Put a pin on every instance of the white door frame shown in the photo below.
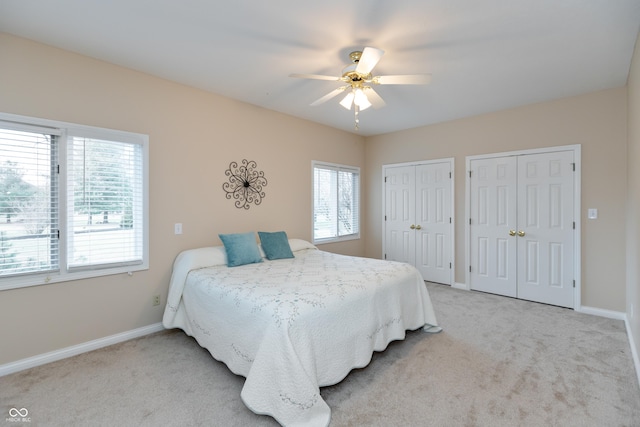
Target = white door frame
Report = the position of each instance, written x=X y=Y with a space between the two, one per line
x=577 y=262
x=451 y=162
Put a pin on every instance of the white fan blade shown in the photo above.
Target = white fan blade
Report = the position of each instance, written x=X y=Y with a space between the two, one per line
x=368 y=60
x=328 y=96
x=315 y=77
x=409 y=79
x=375 y=99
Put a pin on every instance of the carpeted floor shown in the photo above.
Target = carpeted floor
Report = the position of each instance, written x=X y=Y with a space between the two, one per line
x=498 y=362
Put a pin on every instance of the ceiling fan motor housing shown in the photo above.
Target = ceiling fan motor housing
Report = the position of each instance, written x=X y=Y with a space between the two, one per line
x=349 y=72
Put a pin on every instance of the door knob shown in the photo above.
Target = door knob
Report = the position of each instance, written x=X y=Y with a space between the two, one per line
x=418 y=227
x=512 y=232
x=521 y=233
x=413 y=227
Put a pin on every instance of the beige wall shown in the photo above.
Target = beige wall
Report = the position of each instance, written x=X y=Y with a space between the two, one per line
x=193 y=135
x=633 y=201
x=596 y=121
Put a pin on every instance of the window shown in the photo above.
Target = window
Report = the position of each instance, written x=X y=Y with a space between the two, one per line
x=336 y=202
x=73 y=201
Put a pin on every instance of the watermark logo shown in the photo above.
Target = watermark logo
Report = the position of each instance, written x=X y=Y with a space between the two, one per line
x=18 y=416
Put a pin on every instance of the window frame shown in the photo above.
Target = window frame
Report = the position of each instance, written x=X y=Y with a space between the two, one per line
x=67 y=130
x=340 y=168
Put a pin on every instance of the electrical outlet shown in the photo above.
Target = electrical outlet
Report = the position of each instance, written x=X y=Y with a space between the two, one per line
x=156 y=300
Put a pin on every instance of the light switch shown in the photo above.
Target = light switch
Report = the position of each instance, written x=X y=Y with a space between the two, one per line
x=177 y=228
x=592 y=213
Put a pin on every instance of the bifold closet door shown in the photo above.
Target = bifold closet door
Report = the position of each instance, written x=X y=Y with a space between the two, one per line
x=522 y=226
x=418 y=222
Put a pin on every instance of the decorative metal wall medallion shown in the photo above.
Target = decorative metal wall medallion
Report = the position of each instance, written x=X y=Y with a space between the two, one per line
x=245 y=184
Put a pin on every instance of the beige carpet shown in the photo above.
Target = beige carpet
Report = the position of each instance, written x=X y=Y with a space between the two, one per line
x=498 y=362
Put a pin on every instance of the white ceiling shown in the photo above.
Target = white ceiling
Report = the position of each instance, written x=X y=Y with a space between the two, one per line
x=483 y=55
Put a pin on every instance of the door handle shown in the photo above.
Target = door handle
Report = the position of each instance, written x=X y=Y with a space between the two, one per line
x=413 y=227
x=512 y=232
x=418 y=227
x=521 y=233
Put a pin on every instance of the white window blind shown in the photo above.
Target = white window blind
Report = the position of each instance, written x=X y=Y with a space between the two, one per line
x=105 y=203
x=73 y=201
x=28 y=199
x=336 y=202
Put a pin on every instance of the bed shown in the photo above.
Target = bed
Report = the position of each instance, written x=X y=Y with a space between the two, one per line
x=293 y=325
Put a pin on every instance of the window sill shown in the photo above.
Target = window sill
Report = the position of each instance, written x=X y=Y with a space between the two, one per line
x=17 y=282
x=335 y=240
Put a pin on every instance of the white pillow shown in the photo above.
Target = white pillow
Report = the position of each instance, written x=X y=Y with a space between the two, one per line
x=214 y=255
x=217 y=255
x=299 y=244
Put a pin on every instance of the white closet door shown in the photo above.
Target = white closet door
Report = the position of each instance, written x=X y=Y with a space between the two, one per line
x=545 y=228
x=433 y=222
x=493 y=225
x=522 y=226
x=400 y=214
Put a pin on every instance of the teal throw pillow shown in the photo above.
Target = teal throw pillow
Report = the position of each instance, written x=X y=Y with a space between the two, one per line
x=275 y=245
x=241 y=248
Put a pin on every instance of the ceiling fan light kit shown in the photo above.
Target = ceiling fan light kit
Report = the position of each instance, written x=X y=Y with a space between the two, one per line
x=358 y=78
x=347 y=101
x=356 y=97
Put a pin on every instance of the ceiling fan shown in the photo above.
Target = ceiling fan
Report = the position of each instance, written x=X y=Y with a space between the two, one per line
x=358 y=79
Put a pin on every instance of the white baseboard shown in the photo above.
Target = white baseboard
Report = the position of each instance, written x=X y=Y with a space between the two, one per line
x=634 y=352
x=74 y=350
x=618 y=315
x=610 y=314
x=462 y=286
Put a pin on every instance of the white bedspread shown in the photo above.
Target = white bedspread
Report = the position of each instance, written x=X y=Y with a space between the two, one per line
x=291 y=326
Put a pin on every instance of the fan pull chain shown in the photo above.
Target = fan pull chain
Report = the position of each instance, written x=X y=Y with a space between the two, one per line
x=356 y=112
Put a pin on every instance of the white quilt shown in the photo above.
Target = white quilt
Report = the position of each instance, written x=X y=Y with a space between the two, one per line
x=292 y=326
